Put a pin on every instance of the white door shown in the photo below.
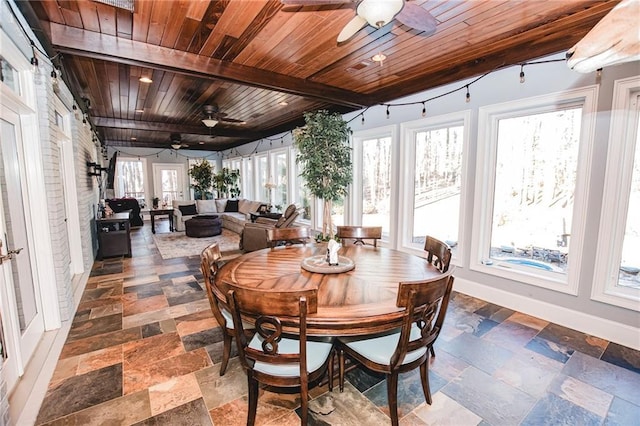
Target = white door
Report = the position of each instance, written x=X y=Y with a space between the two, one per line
x=23 y=321
x=168 y=182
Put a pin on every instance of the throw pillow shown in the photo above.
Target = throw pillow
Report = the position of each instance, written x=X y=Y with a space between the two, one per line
x=244 y=206
x=232 y=206
x=220 y=204
x=206 y=206
x=188 y=210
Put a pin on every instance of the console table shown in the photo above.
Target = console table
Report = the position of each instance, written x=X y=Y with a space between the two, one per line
x=114 y=235
x=160 y=212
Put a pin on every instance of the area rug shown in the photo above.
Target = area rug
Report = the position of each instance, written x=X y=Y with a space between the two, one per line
x=177 y=244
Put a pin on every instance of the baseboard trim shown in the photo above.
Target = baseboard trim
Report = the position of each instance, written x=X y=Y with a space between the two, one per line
x=600 y=327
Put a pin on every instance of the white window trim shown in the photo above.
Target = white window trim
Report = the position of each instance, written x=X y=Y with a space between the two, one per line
x=485 y=174
x=615 y=202
x=353 y=215
x=408 y=152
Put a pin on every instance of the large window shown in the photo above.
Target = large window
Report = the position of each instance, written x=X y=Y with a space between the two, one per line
x=531 y=201
x=279 y=173
x=130 y=182
x=434 y=152
x=617 y=273
x=247 y=178
x=372 y=194
x=302 y=196
x=376 y=183
x=263 y=184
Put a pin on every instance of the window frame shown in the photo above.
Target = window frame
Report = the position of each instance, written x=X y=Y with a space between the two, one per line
x=488 y=118
x=625 y=112
x=353 y=201
x=408 y=152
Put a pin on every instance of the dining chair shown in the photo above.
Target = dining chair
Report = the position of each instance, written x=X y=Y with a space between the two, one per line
x=359 y=234
x=425 y=305
x=288 y=236
x=275 y=356
x=438 y=253
x=209 y=263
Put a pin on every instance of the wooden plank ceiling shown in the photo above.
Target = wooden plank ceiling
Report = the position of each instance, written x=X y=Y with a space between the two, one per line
x=264 y=64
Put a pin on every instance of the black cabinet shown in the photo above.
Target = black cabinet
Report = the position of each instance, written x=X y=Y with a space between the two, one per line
x=114 y=235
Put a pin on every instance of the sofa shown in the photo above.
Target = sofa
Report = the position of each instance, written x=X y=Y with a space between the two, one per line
x=254 y=236
x=233 y=213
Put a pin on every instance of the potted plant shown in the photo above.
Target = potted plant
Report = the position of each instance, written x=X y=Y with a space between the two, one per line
x=202 y=175
x=156 y=202
x=325 y=158
x=226 y=182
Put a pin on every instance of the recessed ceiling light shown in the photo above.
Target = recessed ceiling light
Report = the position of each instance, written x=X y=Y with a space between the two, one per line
x=145 y=80
x=283 y=103
x=139 y=110
x=134 y=138
x=201 y=142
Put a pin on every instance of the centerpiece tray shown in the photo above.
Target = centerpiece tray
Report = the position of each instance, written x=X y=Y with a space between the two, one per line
x=318 y=264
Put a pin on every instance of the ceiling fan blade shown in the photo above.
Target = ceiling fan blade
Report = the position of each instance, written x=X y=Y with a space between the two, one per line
x=416 y=17
x=231 y=120
x=352 y=27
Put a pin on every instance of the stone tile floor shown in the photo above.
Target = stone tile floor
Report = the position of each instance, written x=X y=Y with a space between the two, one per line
x=145 y=349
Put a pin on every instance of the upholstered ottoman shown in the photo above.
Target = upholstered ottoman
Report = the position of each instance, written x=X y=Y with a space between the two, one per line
x=203 y=226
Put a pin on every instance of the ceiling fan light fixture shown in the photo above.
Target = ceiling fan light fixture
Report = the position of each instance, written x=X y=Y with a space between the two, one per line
x=209 y=122
x=145 y=80
x=379 y=57
x=176 y=145
x=379 y=12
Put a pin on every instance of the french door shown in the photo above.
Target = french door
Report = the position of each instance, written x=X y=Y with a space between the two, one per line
x=20 y=299
x=168 y=182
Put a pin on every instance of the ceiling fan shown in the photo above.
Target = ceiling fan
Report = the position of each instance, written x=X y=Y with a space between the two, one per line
x=176 y=141
x=378 y=13
x=214 y=116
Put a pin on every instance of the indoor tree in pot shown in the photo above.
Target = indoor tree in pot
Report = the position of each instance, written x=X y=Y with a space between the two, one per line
x=226 y=182
x=324 y=155
x=202 y=175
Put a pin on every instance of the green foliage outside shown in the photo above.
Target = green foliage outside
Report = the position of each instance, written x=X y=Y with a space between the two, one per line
x=324 y=155
x=202 y=174
x=227 y=182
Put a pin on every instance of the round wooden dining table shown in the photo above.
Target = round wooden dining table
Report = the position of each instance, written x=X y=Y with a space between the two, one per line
x=360 y=301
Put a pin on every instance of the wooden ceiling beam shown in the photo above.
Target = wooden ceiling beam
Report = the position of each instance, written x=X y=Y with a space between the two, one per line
x=109 y=48
x=116 y=123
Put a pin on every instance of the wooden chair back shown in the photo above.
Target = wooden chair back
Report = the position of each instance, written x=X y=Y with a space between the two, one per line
x=287 y=235
x=438 y=253
x=426 y=305
x=359 y=234
x=272 y=328
x=209 y=264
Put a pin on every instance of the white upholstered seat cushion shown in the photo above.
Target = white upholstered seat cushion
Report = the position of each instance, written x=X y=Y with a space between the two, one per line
x=317 y=354
x=229 y=319
x=380 y=348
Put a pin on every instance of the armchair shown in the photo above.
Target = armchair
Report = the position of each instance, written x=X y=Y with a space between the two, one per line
x=254 y=235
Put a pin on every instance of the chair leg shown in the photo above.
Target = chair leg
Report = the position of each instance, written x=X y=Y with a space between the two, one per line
x=253 y=400
x=433 y=353
x=392 y=396
x=341 y=369
x=226 y=351
x=330 y=369
x=424 y=378
x=304 y=403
